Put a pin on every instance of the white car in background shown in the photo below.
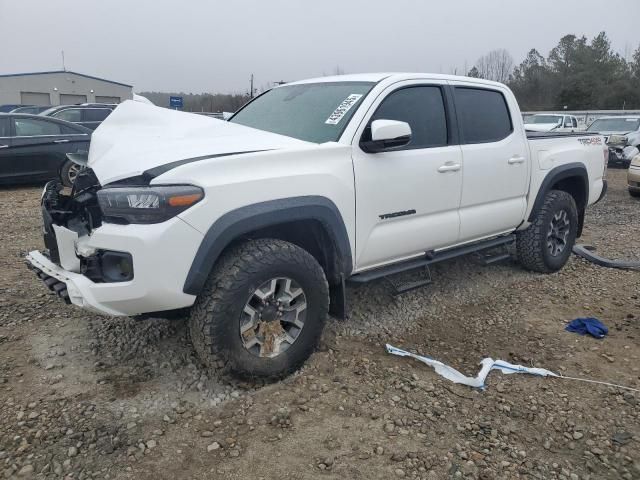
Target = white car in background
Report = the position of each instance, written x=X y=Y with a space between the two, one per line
x=551 y=123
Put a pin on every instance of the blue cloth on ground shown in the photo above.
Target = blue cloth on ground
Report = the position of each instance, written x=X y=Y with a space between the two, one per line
x=590 y=325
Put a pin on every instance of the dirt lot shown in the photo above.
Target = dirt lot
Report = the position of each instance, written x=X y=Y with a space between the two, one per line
x=85 y=396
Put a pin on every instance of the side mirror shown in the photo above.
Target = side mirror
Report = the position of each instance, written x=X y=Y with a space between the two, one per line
x=386 y=135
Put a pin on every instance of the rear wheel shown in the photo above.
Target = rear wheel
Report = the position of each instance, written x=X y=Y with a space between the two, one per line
x=545 y=246
x=634 y=193
x=69 y=172
x=262 y=310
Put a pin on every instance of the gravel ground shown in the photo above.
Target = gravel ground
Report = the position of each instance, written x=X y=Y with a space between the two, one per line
x=85 y=396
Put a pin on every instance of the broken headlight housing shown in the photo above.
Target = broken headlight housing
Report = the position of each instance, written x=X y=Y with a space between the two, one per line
x=153 y=204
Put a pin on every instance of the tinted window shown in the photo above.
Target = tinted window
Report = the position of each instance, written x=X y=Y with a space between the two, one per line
x=574 y=122
x=483 y=115
x=423 y=109
x=96 y=114
x=70 y=115
x=29 y=127
x=4 y=127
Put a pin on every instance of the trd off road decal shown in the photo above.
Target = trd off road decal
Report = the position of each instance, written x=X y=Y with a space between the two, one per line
x=591 y=141
x=343 y=108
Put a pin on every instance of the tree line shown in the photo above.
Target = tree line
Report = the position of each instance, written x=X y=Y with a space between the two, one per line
x=200 y=102
x=577 y=74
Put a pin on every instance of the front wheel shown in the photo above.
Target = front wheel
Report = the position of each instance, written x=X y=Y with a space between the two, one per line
x=545 y=246
x=634 y=193
x=262 y=310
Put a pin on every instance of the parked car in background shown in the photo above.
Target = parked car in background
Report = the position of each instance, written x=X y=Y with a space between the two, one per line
x=6 y=108
x=31 y=109
x=622 y=135
x=34 y=149
x=551 y=123
x=633 y=177
x=88 y=115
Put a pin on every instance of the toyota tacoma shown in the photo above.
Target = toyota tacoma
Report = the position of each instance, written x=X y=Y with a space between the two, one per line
x=252 y=227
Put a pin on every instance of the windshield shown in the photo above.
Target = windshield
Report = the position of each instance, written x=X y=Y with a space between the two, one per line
x=314 y=112
x=544 y=119
x=614 y=125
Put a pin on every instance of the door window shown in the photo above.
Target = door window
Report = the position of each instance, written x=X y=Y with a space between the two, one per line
x=423 y=109
x=574 y=122
x=33 y=127
x=70 y=115
x=483 y=115
x=96 y=114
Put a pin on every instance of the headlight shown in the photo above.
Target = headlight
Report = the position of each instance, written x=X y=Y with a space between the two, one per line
x=617 y=140
x=153 y=204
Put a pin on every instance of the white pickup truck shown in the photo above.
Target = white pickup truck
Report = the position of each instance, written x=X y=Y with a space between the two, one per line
x=252 y=227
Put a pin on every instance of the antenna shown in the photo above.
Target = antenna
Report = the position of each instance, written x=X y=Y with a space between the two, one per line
x=63 y=66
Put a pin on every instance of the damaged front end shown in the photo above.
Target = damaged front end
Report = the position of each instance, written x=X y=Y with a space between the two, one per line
x=68 y=220
x=620 y=151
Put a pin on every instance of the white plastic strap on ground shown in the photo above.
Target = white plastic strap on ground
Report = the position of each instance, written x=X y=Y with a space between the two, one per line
x=488 y=364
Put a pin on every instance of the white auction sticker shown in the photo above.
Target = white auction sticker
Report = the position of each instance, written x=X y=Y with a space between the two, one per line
x=343 y=108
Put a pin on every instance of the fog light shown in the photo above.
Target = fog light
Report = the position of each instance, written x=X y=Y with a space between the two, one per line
x=116 y=266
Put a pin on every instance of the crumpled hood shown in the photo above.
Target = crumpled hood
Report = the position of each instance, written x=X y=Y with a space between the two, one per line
x=137 y=137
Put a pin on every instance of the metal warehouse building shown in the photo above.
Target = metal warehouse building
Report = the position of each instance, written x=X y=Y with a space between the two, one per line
x=60 y=88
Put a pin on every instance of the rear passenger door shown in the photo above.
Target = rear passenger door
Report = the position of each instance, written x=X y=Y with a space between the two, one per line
x=496 y=166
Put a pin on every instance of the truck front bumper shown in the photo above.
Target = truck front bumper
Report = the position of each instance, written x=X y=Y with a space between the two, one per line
x=161 y=254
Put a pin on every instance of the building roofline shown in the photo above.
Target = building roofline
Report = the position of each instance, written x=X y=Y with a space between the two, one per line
x=64 y=71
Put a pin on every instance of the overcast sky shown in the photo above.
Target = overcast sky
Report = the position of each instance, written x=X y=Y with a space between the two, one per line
x=215 y=45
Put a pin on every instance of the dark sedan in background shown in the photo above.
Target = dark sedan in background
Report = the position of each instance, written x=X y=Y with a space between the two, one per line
x=34 y=149
x=89 y=115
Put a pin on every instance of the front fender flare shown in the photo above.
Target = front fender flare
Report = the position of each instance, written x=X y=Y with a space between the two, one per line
x=244 y=220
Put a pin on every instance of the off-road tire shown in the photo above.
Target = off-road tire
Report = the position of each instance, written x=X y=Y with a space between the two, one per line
x=214 y=321
x=531 y=244
x=634 y=193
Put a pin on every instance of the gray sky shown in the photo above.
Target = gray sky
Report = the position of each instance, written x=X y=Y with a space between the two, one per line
x=214 y=45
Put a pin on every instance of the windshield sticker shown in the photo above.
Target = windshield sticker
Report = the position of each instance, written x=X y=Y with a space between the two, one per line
x=343 y=108
x=631 y=119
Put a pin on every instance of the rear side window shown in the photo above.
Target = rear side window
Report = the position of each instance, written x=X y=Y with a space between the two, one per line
x=483 y=115
x=423 y=109
x=70 y=115
x=574 y=122
x=96 y=114
x=34 y=127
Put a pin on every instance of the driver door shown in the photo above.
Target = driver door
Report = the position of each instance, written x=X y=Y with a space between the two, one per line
x=407 y=198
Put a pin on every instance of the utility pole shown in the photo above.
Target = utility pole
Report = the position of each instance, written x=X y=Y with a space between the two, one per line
x=63 y=66
x=251 y=88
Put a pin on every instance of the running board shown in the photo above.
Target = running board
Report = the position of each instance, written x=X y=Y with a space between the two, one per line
x=430 y=258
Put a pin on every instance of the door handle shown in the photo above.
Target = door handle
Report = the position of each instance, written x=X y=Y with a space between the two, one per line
x=4 y=146
x=516 y=159
x=452 y=167
x=61 y=141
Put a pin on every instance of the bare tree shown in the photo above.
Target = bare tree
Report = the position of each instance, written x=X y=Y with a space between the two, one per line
x=496 y=65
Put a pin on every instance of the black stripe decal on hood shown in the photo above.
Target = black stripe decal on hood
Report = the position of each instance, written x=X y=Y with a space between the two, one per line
x=145 y=177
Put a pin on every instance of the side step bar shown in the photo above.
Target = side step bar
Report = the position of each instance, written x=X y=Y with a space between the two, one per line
x=435 y=257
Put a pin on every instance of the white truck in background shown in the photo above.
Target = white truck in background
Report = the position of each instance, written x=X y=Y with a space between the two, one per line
x=251 y=228
x=550 y=122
